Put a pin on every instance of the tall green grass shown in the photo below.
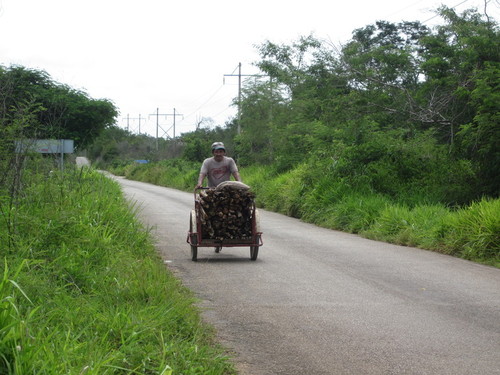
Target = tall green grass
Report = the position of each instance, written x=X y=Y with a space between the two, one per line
x=473 y=232
x=175 y=173
x=415 y=226
x=277 y=192
x=83 y=290
x=313 y=194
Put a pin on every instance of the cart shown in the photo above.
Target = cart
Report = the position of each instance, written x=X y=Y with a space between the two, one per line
x=195 y=234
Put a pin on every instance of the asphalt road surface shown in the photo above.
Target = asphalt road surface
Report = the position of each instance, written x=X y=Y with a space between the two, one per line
x=318 y=301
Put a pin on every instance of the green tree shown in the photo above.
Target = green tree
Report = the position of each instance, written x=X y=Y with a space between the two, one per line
x=63 y=112
x=382 y=66
x=453 y=57
x=481 y=136
x=462 y=68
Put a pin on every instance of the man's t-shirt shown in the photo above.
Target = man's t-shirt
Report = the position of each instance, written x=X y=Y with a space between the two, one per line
x=218 y=172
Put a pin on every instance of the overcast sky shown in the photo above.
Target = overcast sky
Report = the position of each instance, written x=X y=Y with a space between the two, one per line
x=172 y=55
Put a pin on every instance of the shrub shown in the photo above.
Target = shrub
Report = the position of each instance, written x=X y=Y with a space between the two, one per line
x=473 y=232
x=357 y=212
x=408 y=226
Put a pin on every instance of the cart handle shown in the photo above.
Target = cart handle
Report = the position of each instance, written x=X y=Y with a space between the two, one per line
x=199 y=188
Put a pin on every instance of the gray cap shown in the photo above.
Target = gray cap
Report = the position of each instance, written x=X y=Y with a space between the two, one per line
x=218 y=146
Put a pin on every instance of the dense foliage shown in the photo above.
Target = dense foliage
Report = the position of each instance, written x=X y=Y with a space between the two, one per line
x=399 y=109
x=57 y=111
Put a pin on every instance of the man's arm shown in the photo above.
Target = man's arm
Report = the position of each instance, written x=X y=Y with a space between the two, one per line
x=234 y=170
x=201 y=177
x=237 y=176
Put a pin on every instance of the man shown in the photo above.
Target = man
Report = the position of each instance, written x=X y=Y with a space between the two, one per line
x=218 y=168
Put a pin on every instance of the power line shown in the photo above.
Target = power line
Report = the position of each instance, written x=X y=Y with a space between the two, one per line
x=437 y=15
x=206 y=101
x=405 y=8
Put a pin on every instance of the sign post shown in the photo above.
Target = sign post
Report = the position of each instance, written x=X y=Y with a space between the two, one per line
x=47 y=146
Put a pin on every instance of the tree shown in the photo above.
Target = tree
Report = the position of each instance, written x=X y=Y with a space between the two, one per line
x=382 y=63
x=481 y=136
x=288 y=64
x=453 y=57
x=63 y=112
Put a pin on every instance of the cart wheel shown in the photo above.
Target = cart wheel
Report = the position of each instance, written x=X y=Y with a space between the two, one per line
x=257 y=220
x=194 y=238
x=254 y=252
x=194 y=253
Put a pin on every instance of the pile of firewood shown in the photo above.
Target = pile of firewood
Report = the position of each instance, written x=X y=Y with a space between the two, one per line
x=226 y=212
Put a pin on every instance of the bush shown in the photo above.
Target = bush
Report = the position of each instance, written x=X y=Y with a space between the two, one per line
x=356 y=212
x=473 y=232
x=408 y=226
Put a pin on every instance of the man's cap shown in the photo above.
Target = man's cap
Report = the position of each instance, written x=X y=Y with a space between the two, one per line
x=218 y=146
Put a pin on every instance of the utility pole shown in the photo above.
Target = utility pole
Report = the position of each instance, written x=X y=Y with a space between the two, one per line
x=165 y=132
x=157 y=114
x=138 y=118
x=128 y=121
x=239 y=75
x=174 y=115
x=239 y=98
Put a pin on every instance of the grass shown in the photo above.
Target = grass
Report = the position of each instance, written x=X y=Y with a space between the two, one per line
x=83 y=290
x=175 y=173
x=474 y=232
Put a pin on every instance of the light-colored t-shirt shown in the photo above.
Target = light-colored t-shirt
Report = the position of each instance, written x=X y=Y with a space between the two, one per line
x=218 y=172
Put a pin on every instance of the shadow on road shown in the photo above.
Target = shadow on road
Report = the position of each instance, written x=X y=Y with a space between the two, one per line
x=225 y=260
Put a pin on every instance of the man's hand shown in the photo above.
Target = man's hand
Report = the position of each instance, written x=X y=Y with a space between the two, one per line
x=201 y=177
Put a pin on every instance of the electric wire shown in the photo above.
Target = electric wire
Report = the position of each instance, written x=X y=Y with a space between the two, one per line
x=437 y=15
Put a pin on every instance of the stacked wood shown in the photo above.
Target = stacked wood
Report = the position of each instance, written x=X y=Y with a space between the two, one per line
x=226 y=212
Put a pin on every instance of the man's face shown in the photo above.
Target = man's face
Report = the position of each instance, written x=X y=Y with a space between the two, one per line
x=219 y=154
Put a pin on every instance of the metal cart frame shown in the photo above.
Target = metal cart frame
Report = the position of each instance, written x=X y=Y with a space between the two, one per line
x=196 y=240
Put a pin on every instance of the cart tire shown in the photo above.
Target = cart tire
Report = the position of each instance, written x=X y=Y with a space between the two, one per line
x=257 y=220
x=194 y=238
x=254 y=252
x=194 y=253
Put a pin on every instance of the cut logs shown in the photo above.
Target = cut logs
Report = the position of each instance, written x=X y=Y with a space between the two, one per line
x=226 y=212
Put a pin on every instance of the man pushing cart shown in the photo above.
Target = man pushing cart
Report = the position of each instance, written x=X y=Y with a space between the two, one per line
x=225 y=214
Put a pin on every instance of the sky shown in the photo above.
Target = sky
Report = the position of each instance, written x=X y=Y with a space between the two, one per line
x=168 y=65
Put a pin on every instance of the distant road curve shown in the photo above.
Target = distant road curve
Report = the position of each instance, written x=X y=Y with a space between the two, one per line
x=82 y=161
x=322 y=302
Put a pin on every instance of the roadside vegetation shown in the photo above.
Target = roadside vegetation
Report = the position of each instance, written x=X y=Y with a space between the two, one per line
x=83 y=290
x=394 y=136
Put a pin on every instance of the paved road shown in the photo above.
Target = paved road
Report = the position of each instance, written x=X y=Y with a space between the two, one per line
x=318 y=301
